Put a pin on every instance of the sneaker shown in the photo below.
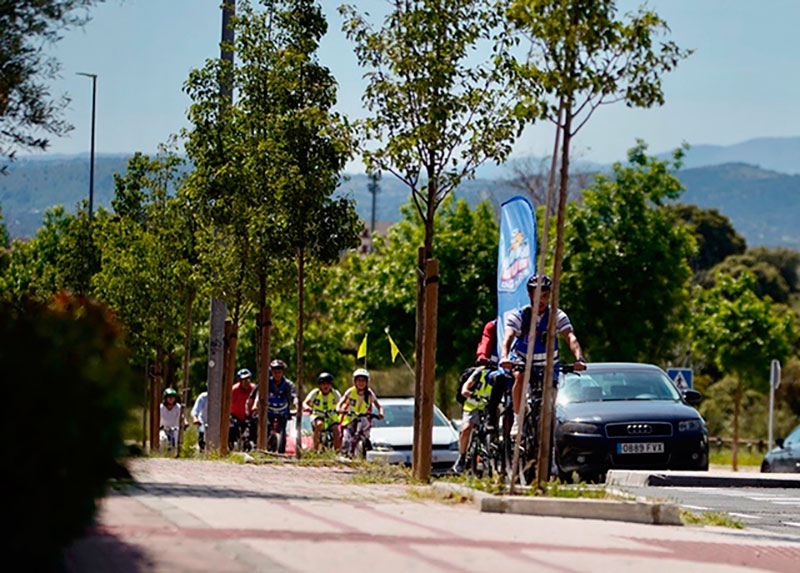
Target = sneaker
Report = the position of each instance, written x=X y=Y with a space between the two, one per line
x=515 y=427
x=458 y=467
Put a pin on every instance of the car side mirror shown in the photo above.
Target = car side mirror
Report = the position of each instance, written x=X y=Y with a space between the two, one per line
x=779 y=442
x=692 y=397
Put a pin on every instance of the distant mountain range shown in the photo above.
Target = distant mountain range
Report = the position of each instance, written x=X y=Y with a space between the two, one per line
x=756 y=184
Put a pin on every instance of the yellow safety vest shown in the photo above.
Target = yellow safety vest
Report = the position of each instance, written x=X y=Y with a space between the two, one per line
x=324 y=405
x=356 y=405
x=480 y=392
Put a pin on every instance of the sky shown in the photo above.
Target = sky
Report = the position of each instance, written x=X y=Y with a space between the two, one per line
x=741 y=83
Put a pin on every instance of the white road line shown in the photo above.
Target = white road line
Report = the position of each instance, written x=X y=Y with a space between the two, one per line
x=776 y=502
x=699 y=507
x=791 y=523
x=745 y=515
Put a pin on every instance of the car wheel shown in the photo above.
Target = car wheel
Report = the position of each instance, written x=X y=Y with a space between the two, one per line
x=765 y=469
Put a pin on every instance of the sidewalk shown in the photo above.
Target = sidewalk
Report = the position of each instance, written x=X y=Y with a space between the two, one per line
x=191 y=515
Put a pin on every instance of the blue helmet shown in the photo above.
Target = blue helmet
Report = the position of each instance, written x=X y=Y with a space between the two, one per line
x=243 y=373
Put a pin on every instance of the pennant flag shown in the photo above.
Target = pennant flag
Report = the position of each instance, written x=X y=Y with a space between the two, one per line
x=362 y=350
x=516 y=257
x=392 y=346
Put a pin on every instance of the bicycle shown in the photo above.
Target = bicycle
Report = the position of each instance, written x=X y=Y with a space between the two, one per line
x=481 y=448
x=168 y=437
x=239 y=435
x=529 y=445
x=360 y=443
x=276 y=440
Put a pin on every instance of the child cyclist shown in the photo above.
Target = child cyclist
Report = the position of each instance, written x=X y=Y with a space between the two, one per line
x=321 y=403
x=358 y=399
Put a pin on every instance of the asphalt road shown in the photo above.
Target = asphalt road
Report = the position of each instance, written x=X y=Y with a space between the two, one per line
x=776 y=510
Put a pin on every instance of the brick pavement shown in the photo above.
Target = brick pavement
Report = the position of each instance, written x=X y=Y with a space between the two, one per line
x=193 y=515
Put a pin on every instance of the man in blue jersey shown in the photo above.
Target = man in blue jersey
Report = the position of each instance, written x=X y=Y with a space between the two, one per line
x=515 y=340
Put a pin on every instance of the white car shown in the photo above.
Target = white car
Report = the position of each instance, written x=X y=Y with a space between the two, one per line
x=392 y=437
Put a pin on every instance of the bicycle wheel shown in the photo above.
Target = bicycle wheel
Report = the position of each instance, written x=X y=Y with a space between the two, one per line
x=362 y=447
x=528 y=454
x=472 y=456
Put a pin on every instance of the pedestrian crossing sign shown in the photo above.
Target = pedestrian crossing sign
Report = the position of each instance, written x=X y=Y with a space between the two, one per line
x=682 y=377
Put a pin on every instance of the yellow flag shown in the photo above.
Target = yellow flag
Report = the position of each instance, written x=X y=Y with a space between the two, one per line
x=393 y=347
x=362 y=350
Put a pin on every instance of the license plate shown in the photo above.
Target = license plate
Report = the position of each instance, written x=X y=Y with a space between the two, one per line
x=640 y=448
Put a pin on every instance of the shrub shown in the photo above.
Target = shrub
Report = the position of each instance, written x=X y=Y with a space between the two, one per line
x=66 y=382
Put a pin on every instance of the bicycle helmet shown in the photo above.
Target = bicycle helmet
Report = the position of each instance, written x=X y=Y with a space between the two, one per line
x=279 y=364
x=361 y=372
x=170 y=392
x=547 y=282
x=243 y=373
x=325 y=378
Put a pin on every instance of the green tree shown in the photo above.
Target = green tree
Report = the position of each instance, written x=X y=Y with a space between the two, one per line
x=715 y=236
x=149 y=270
x=741 y=334
x=26 y=105
x=626 y=272
x=377 y=291
x=437 y=112
x=769 y=280
x=62 y=256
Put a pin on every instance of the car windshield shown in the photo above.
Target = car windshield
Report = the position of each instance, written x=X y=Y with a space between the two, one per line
x=403 y=415
x=615 y=385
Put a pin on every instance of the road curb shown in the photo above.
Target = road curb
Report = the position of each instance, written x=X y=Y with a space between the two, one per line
x=639 y=511
x=700 y=479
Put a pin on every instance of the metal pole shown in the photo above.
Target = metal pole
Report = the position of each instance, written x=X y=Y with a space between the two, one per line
x=91 y=160
x=771 y=410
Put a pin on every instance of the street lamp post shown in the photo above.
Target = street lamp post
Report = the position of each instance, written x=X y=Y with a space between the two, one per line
x=91 y=166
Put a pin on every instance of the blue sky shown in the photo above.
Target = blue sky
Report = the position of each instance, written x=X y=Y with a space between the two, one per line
x=741 y=83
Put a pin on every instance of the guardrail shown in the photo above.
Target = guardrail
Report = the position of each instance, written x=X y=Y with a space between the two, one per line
x=719 y=443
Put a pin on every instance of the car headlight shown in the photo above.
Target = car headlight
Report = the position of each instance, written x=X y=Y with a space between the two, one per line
x=690 y=426
x=580 y=428
x=382 y=447
x=453 y=446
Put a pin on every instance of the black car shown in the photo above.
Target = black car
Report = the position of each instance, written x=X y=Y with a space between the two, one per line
x=786 y=456
x=626 y=416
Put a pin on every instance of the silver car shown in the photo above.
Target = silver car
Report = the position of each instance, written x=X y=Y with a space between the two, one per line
x=392 y=437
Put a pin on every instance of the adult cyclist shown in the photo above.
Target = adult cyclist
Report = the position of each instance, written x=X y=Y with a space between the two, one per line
x=281 y=399
x=321 y=403
x=514 y=347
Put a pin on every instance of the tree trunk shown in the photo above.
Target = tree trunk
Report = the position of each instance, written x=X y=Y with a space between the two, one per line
x=263 y=328
x=546 y=418
x=231 y=339
x=420 y=329
x=187 y=354
x=737 y=403
x=298 y=448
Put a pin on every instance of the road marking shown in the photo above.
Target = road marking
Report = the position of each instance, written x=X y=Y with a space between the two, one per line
x=786 y=502
x=746 y=515
x=700 y=507
x=791 y=523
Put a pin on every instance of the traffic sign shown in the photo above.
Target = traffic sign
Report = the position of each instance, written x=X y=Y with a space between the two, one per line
x=775 y=374
x=682 y=377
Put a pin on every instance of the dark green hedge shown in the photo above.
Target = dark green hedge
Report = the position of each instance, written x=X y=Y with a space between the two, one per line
x=66 y=390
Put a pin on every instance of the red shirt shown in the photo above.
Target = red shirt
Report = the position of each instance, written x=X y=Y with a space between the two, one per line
x=239 y=396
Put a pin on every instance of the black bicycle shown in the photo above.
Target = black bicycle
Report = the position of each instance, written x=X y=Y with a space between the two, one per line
x=529 y=445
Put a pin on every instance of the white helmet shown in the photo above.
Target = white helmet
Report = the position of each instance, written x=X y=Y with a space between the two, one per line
x=361 y=372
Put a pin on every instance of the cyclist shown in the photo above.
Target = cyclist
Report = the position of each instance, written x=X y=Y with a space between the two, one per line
x=486 y=353
x=170 y=419
x=240 y=418
x=358 y=399
x=199 y=415
x=281 y=399
x=321 y=403
x=514 y=347
x=477 y=390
